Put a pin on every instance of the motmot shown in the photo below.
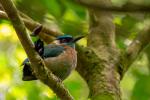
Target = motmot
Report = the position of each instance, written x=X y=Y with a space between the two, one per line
x=60 y=57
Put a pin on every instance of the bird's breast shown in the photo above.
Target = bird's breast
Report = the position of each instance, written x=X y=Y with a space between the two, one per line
x=63 y=64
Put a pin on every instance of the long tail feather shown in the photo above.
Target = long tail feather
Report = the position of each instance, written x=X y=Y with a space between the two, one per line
x=27 y=73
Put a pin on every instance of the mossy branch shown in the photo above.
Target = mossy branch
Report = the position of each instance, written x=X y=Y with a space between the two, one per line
x=128 y=7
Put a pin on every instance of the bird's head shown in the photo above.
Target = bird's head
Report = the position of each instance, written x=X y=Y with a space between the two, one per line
x=68 y=40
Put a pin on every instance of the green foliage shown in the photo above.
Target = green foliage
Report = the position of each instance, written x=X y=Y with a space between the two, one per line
x=125 y=29
x=141 y=90
x=69 y=17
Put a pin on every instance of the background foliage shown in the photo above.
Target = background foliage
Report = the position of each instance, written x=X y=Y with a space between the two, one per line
x=72 y=19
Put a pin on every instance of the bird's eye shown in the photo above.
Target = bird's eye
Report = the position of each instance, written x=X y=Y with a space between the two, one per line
x=63 y=41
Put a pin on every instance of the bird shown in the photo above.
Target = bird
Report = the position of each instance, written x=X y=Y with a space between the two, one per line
x=60 y=57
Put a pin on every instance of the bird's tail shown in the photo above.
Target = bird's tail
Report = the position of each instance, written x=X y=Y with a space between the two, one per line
x=27 y=73
x=39 y=47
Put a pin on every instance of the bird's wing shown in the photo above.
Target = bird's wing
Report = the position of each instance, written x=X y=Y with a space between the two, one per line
x=50 y=50
x=53 y=50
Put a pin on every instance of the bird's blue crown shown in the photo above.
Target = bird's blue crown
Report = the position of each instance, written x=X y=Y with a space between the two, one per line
x=64 y=37
x=69 y=40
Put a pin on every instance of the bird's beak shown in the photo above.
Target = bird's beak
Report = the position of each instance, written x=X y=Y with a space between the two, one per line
x=77 y=38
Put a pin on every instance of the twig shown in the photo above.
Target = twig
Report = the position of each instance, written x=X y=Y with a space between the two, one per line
x=37 y=63
x=135 y=48
x=47 y=34
x=31 y=24
x=3 y=15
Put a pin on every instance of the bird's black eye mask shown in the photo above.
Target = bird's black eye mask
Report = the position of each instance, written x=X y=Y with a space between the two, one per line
x=65 y=40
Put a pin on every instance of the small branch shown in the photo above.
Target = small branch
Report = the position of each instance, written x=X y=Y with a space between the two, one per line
x=37 y=63
x=128 y=7
x=134 y=49
x=3 y=15
x=31 y=24
x=47 y=34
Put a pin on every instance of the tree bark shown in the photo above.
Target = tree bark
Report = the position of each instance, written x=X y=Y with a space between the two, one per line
x=102 y=56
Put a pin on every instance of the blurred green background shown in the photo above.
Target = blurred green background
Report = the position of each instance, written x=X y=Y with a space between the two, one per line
x=72 y=19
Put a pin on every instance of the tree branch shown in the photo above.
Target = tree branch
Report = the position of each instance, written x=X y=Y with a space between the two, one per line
x=31 y=24
x=135 y=48
x=37 y=63
x=128 y=7
x=46 y=34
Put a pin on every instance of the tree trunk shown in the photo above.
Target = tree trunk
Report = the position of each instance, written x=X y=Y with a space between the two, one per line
x=101 y=57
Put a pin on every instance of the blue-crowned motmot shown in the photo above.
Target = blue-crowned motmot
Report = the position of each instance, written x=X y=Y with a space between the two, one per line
x=60 y=57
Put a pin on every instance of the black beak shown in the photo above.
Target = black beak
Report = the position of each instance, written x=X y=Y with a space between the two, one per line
x=77 y=38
